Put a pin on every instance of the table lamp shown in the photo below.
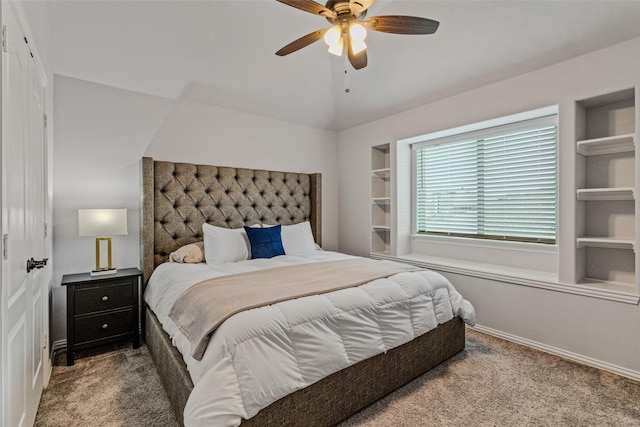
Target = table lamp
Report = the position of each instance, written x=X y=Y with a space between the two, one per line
x=102 y=224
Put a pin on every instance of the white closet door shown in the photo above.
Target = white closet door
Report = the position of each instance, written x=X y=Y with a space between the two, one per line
x=23 y=299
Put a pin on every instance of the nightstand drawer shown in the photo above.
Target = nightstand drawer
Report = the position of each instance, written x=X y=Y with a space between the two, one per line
x=105 y=297
x=97 y=327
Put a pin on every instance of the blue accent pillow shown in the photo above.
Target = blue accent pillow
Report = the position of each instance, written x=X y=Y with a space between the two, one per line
x=265 y=242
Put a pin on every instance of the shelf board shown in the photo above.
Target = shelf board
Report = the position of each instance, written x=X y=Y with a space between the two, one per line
x=382 y=253
x=381 y=200
x=618 y=193
x=607 y=145
x=381 y=227
x=384 y=173
x=605 y=242
x=609 y=285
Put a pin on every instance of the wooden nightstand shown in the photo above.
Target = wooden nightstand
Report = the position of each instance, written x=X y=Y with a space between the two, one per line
x=102 y=309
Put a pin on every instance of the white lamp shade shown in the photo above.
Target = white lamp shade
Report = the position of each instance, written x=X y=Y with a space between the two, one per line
x=102 y=222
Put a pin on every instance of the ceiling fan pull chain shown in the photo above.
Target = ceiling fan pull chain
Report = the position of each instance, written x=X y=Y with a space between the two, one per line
x=346 y=75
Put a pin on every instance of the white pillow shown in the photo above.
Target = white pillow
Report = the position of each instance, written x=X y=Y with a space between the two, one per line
x=298 y=239
x=225 y=244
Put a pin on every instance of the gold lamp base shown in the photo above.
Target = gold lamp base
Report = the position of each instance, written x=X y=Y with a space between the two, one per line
x=100 y=271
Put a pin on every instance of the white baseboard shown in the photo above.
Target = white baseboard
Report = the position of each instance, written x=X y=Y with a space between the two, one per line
x=575 y=357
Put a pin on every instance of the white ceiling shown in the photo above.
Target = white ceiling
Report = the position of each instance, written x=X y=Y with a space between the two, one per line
x=221 y=52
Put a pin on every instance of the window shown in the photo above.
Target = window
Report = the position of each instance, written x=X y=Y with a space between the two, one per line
x=496 y=183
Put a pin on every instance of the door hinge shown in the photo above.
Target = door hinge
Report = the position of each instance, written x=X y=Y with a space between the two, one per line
x=46 y=229
x=5 y=239
x=45 y=340
x=45 y=120
x=4 y=38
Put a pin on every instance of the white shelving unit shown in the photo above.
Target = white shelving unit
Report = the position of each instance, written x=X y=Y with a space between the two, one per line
x=606 y=186
x=381 y=200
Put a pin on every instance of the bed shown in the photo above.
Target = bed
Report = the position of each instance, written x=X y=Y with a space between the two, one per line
x=177 y=199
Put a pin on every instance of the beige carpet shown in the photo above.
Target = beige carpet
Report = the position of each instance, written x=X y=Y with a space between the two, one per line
x=492 y=383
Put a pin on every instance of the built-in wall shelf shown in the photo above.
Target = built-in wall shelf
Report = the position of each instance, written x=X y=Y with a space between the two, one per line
x=606 y=169
x=381 y=199
x=595 y=194
x=607 y=145
x=605 y=242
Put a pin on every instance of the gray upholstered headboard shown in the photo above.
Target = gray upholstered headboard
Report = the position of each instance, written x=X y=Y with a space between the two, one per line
x=177 y=198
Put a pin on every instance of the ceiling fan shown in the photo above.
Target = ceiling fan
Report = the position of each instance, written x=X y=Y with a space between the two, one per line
x=350 y=27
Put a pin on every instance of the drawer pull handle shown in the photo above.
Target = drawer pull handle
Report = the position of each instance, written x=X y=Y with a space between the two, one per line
x=105 y=298
x=105 y=326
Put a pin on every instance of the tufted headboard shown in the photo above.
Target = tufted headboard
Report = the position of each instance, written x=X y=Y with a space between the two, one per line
x=177 y=198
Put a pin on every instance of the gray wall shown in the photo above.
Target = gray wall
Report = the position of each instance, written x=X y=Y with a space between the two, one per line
x=600 y=332
x=102 y=132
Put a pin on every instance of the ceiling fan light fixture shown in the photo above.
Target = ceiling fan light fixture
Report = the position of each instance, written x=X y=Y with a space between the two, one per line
x=333 y=38
x=336 y=49
x=358 y=46
x=333 y=35
x=357 y=32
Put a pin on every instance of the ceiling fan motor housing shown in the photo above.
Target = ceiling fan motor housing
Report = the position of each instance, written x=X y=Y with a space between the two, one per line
x=343 y=10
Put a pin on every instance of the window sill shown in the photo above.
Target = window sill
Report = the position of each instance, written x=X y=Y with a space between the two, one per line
x=522 y=277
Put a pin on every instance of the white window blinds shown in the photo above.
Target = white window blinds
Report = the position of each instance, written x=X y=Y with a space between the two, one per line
x=498 y=183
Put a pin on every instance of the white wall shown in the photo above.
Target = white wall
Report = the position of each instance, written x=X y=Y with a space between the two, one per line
x=601 y=332
x=102 y=132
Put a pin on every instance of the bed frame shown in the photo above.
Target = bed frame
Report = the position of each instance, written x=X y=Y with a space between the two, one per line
x=177 y=198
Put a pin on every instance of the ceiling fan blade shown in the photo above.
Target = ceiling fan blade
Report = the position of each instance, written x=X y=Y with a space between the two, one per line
x=401 y=24
x=358 y=60
x=311 y=7
x=303 y=41
x=359 y=6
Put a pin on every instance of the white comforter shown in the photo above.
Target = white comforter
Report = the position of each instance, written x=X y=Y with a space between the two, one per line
x=258 y=356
